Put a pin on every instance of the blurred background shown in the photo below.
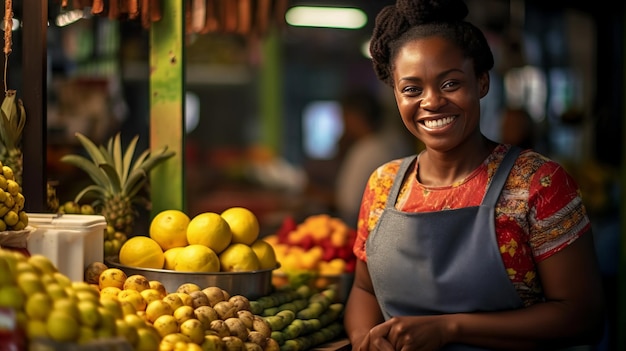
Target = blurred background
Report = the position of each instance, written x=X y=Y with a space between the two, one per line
x=263 y=124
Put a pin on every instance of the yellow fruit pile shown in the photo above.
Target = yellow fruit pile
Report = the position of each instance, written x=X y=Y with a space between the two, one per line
x=208 y=242
x=12 y=214
x=48 y=304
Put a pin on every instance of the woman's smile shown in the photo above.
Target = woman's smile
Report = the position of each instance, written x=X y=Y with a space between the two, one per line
x=438 y=123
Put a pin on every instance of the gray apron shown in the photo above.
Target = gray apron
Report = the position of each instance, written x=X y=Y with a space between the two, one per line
x=441 y=262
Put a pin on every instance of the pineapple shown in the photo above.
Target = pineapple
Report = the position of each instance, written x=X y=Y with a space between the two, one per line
x=117 y=183
x=11 y=128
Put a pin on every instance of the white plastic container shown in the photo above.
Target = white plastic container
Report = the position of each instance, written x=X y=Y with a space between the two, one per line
x=70 y=241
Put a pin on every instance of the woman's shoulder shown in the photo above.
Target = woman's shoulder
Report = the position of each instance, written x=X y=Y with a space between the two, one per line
x=535 y=171
x=528 y=160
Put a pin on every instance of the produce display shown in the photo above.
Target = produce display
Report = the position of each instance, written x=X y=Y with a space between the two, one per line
x=208 y=242
x=142 y=314
x=313 y=250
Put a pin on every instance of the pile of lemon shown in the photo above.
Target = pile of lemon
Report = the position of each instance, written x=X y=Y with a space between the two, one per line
x=208 y=242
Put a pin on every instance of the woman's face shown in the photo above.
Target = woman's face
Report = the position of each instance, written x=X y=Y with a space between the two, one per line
x=438 y=93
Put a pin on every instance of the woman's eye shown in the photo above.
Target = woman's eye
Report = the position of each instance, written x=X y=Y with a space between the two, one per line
x=410 y=90
x=449 y=85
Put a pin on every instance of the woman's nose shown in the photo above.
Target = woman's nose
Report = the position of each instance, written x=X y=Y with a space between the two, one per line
x=431 y=100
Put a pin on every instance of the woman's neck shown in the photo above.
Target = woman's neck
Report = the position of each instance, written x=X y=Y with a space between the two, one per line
x=446 y=168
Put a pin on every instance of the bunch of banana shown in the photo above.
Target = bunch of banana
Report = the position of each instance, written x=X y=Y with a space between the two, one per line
x=12 y=214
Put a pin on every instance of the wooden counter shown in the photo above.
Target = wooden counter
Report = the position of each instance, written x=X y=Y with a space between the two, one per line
x=341 y=344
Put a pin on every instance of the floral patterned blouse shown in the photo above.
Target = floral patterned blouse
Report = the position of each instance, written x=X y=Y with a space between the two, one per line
x=539 y=212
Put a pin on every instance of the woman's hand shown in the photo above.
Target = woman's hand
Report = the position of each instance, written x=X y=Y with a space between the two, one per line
x=422 y=333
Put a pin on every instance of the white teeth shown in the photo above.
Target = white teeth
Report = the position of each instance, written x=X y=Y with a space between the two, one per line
x=438 y=123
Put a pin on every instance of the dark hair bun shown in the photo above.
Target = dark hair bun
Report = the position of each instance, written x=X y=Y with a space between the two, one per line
x=425 y=11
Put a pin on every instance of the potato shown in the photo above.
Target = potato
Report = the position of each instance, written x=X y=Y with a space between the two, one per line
x=198 y=298
x=206 y=315
x=214 y=294
x=246 y=317
x=93 y=270
x=225 y=309
x=219 y=326
x=237 y=328
x=241 y=302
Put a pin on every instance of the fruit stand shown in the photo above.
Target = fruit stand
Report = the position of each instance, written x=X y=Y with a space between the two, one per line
x=203 y=283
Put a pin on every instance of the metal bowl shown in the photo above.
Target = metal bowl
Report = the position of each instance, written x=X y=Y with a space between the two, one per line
x=252 y=284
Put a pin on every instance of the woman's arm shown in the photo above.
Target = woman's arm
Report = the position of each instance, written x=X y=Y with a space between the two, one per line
x=573 y=312
x=362 y=310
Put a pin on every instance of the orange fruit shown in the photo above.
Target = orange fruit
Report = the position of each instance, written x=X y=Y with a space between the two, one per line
x=211 y=230
x=238 y=258
x=243 y=224
x=197 y=258
x=169 y=229
x=143 y=252
x=170 y=257
x=266 y=254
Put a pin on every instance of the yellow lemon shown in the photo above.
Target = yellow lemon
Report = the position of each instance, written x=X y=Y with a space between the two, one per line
x=197 y=258
x=158 y=286
x=211 y=230
x=170 y=257
x=238 y=258
x=112 y=277
x=166 y=324
x=142 y=251
x=158 y=308
x=169 y=229
x=266 y=254
x=243 y=224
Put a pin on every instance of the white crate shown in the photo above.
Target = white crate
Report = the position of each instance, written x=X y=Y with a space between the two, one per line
x=70 y=241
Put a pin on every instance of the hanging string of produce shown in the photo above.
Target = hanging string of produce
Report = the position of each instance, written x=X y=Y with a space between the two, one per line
x=243 y=17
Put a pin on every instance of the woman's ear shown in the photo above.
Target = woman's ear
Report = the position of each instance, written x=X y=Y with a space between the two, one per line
x=483 y=83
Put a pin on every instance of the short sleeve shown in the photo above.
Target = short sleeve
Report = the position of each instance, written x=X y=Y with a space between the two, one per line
x=557 y=215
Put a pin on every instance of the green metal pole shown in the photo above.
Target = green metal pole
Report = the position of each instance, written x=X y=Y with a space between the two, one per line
x=167 y=96
x=270 y=92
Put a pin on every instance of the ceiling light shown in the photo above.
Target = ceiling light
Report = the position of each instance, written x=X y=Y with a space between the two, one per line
x=326 y=17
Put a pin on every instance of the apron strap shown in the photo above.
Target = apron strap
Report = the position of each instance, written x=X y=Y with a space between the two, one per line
x=502 y=173
x=397 y=182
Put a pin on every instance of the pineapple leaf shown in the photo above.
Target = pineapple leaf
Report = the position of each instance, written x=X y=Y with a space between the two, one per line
x=128 y=158
x=112 y=175
x=139 y=175
x=140 y=160
x=156 y=158
x=117 y=156
x=136 y=181
x=94 y=152
x=12 y=121
x=91 y=188
x=107 y=156
x=90 y=168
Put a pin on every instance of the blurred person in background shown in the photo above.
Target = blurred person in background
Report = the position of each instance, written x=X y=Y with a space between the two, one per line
x=368 y=142
x=518 y=128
